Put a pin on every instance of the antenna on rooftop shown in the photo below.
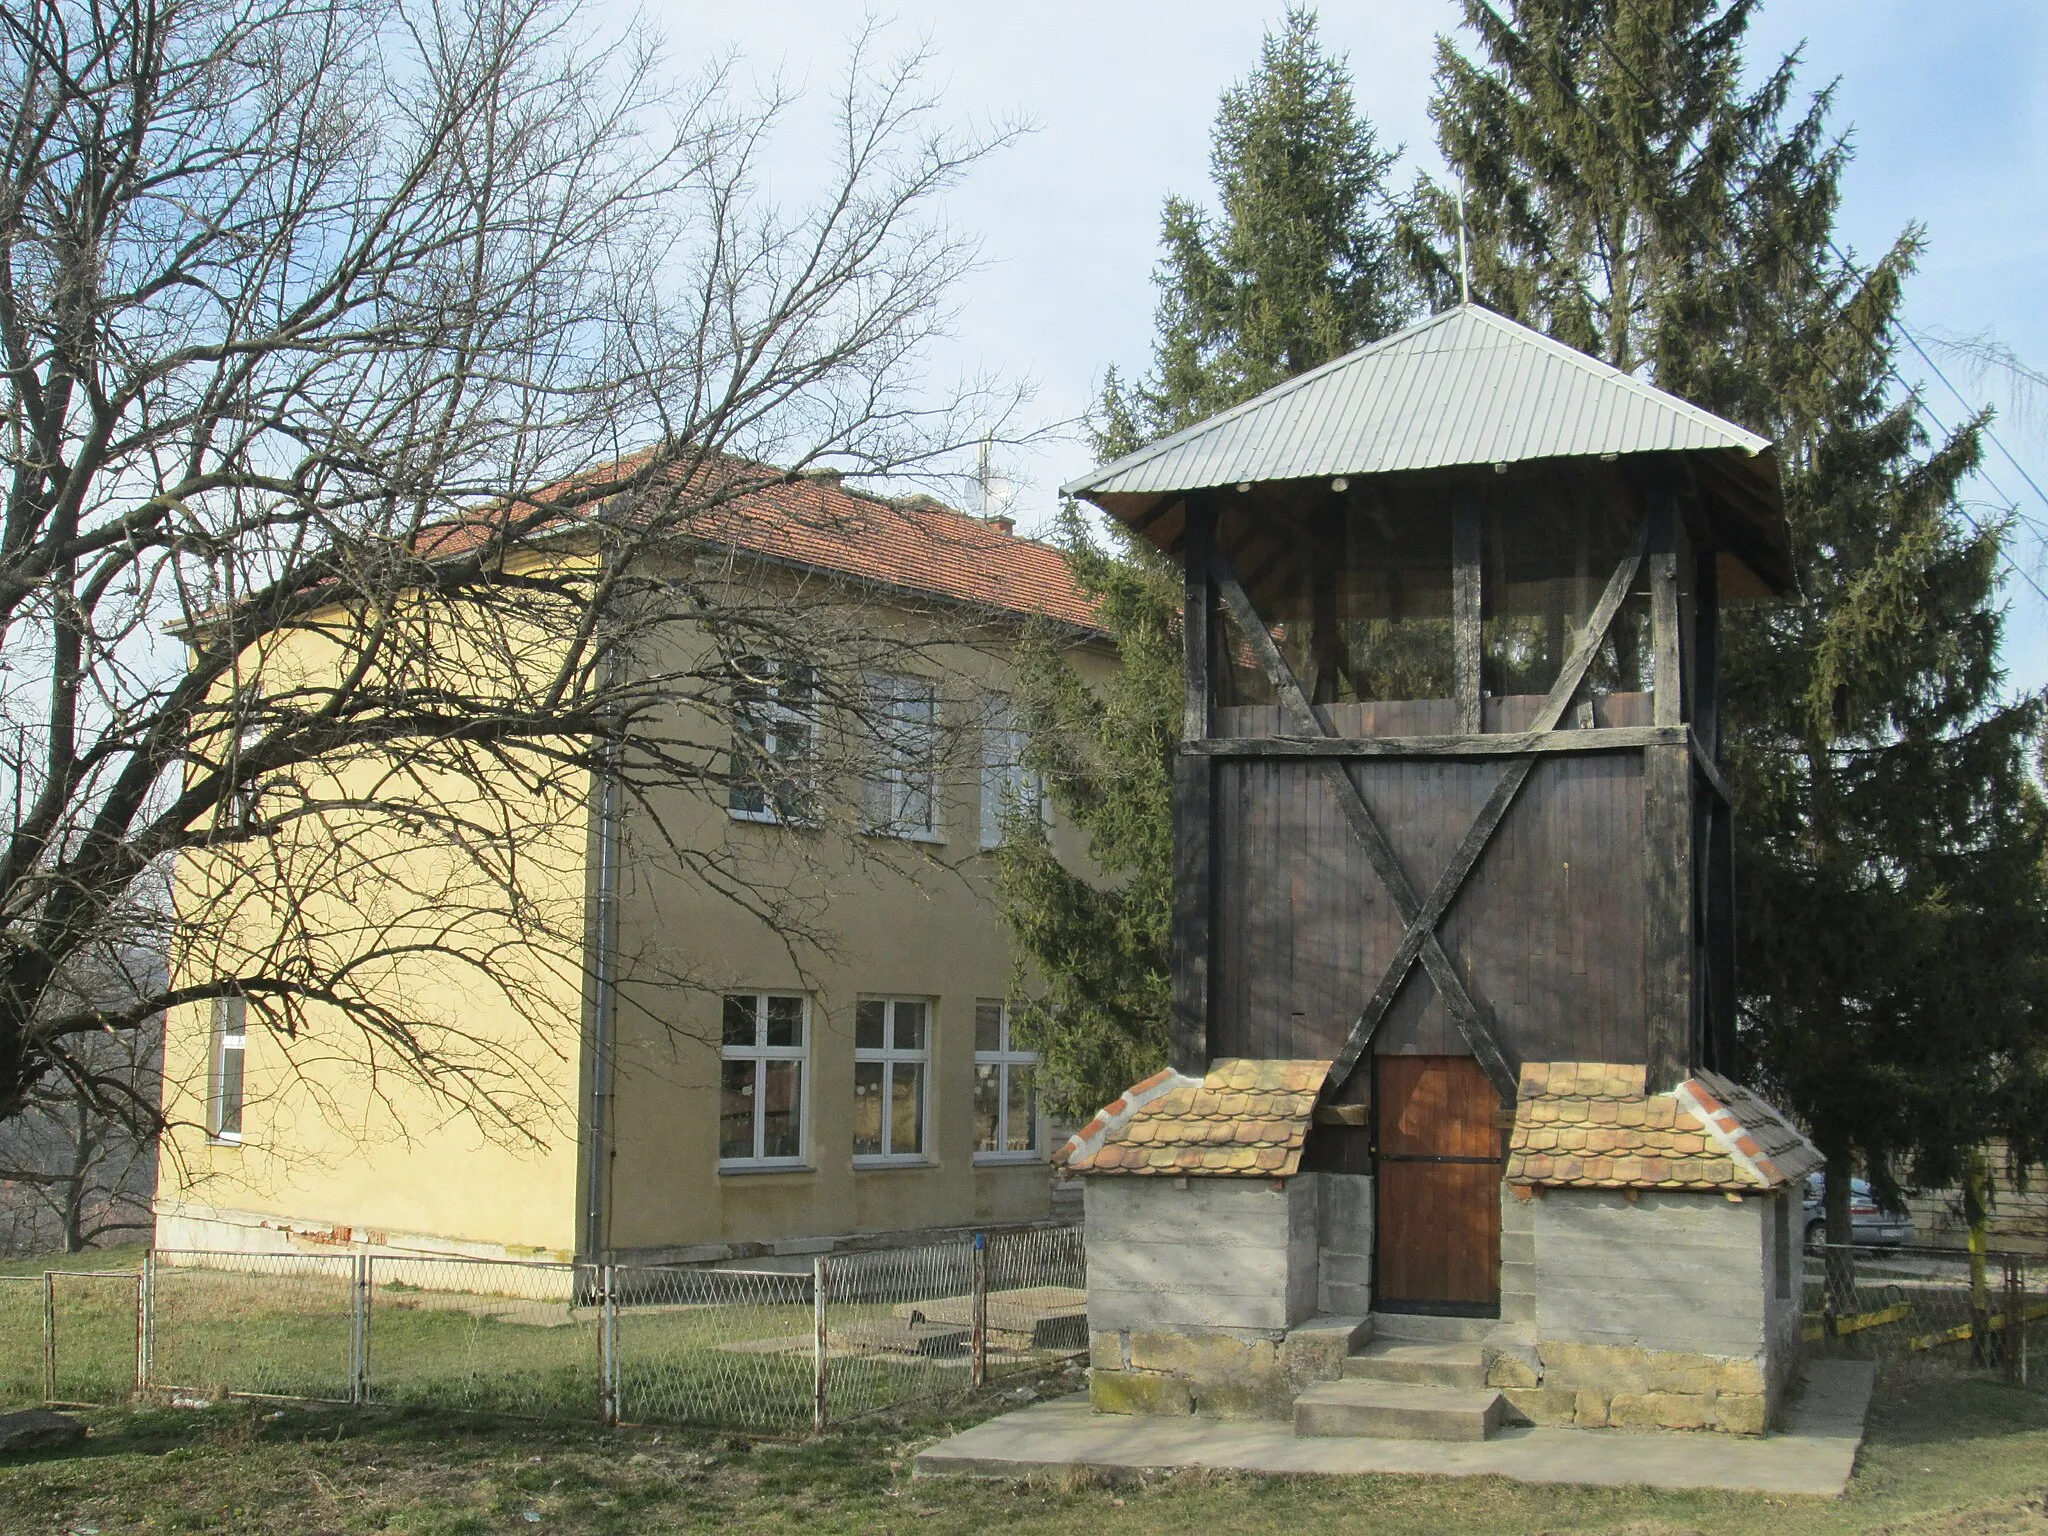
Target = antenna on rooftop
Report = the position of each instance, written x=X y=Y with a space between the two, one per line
x=1464 y=255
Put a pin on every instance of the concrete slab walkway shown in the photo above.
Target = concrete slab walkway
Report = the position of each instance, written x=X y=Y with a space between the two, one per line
x=1815 y=1454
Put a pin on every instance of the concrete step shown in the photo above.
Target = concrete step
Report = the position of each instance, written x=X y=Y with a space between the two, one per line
x=1429 y=1329
x=1421 y=1363
x=1394 y=1410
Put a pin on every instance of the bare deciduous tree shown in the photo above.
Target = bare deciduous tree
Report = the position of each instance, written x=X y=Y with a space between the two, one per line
x=382 y=380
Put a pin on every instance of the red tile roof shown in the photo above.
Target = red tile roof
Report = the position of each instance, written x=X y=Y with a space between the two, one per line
x=913 y=544
x=1245 y=1119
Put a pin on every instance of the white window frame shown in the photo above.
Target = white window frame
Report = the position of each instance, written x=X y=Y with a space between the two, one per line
x=1006 y=784
x=760 y=1053
x=228 y=1032
x=905 y=764
x=889 y=1055
x=1006 y=1058
x=771 y=713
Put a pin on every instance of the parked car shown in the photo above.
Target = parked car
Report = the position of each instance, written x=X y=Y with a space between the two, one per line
x=1870 y=1224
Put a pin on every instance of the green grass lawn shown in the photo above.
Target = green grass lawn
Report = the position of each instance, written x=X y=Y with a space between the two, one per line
x=286 y=1333
x=1945 y=1457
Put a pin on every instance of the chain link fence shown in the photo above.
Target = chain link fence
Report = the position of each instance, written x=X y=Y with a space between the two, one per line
x=1931 y=1308
x=760 y=1349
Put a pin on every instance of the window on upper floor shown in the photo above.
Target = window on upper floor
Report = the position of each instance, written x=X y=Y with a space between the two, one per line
x=227 y=1061
x=891 y=1079
x=771 y=768
x=1008 y=786
x=764 y=1046
x=900 y=791
x=1005 y=1095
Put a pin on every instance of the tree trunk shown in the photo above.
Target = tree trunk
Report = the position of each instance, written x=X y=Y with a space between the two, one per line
x=1840 y=1252
x=1977 y=1214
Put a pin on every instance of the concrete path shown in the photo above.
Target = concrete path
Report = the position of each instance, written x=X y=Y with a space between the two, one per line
x=1815 y=1455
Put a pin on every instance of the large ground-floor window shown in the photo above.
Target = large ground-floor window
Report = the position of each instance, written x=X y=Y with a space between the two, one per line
x=891 y=1073
x=764 y=1045
x=1005 y=1099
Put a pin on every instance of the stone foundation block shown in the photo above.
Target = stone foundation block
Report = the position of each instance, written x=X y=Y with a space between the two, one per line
x=1624 y=1370
x=1244 y=1397
x=1741 y=1413
x=1203 y=1355
x=1542 y=1405
x=1514 y=1367
x=1316 y=1351
x=1139 y=1392
x=1589 y=1409
x=1107 y=1350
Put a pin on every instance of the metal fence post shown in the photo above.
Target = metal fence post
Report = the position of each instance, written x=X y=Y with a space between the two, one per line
x=819 y=1398
x=359 y=1330
x=979 y=1325
x=608 y=1344
x=49 y=1336
x=145 y=1284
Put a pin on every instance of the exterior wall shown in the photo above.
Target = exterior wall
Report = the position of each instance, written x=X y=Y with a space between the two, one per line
x=905 y=919
x=326 y=1159
x=1202 y=1293
x=1345 y=1234
x=1661 y=1312
x=2018 y=1218
x=341 y=1141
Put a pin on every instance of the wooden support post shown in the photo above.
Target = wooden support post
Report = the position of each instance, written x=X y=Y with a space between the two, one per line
x=1667 y=675
x=1467 y=634
x=1667 y=916
x=977 y=1333
x=1194 y=778
x=1706 y=668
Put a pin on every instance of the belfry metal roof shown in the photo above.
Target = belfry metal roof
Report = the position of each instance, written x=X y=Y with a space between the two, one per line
x=1464 y=387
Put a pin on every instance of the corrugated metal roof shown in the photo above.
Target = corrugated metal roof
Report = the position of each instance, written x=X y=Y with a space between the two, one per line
x=1463 y=387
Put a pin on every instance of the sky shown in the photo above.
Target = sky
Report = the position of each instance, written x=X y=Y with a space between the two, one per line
x=1940 y=101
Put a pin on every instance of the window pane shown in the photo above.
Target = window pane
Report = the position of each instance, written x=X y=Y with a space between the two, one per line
x=867 y=1026
x=231 y=1090
x=736 y=1109
x=781 y=1109
x=988 y=1102
x=988 y=1026
x=910 y=1026
x=906 y=1108
x=867 y=1108
x=785 y=1021
x=739 y=1020
x=1023 y=1125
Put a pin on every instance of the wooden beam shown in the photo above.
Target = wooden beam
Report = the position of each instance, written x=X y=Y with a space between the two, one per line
x=1193 y=899
x=1607 y=738
x=1667 y=915
x=1709 y=769
x=1196 y=602
x=1193 y=812
x=1467 y=634
x=1302 y=718
x=1706 y=671
x=1667 y=677
x=1422 y=925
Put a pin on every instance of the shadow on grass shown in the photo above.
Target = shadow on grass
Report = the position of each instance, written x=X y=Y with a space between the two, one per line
x=1921 y=1405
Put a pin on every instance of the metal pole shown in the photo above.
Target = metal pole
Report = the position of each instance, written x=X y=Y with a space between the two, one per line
x=49 y=1336
x=359 y=1330
x=608 y=1345
x=980 y=1318
x=142 y=1325
x=819 y=1399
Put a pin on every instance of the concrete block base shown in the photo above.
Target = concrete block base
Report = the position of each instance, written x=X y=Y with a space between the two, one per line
x=1223 y=1375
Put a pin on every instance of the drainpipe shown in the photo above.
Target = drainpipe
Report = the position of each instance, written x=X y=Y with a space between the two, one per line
x=604 y=974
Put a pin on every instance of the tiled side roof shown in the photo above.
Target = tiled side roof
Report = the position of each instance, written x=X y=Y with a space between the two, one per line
x=913 y=544
x=1591 y=1125
x=1244 y=1119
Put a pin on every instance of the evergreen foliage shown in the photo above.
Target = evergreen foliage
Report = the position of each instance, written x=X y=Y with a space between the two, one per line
x=1628 y=196
x=1296 y=268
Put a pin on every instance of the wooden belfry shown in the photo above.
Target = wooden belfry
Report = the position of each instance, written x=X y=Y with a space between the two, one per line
x=1449 y=784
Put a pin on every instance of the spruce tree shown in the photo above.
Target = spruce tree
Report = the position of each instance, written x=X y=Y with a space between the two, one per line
x=1629 y=197
x=1295 y=266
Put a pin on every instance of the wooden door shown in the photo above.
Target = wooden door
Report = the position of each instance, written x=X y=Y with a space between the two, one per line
x=1441 y=1156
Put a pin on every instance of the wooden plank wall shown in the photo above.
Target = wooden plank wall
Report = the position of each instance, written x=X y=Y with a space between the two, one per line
x=1548 y=931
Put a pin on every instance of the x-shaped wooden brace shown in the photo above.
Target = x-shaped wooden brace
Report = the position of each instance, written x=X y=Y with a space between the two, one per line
x=1422 y=915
